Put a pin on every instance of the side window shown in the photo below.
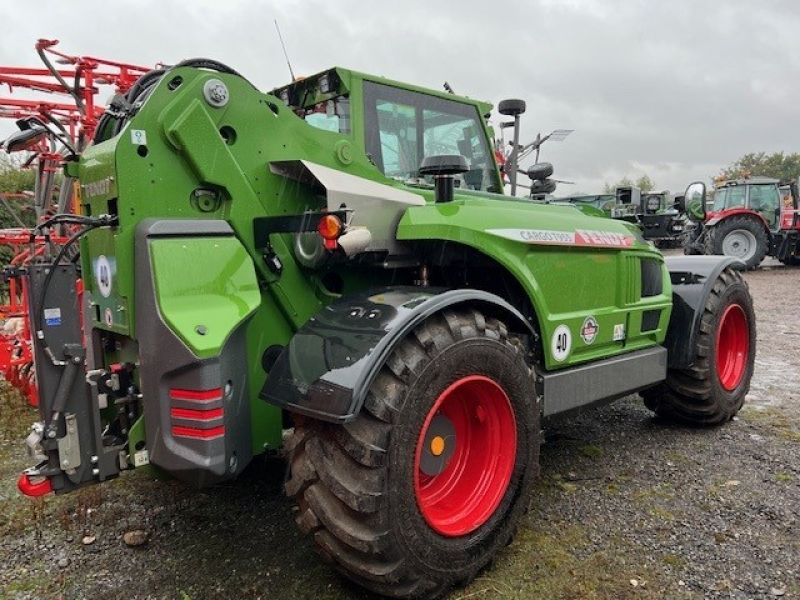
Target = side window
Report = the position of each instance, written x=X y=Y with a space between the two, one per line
x=765 y=200
x=323 y=121
x=735 y=197
x=332 y=115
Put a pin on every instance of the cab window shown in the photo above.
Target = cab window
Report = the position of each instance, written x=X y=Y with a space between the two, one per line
x=403 y=127
x=331 y=115
x=765 y=200
x=730 y=197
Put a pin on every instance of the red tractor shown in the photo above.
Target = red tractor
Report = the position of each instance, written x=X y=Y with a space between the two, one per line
x=750 y=219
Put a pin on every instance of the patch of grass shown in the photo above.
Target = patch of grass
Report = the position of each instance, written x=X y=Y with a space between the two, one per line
x=555 y=562
x=783 y=477
x=567 y=487
x=774 y=420
x=591 y=451
x=676 y=457
x=660 y=491
x=661 y=513
x=674 y=561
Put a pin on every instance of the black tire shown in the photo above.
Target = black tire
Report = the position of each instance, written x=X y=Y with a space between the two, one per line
x=696 y=395
x=742 y=225
x=689 y=239
x=791 y=261
x=353 y=483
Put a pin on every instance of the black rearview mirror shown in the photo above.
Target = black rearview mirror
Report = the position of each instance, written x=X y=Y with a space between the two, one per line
x=695 y=201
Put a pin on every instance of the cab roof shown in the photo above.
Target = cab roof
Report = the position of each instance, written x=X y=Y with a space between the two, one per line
x=749 y=181
x=345 y=78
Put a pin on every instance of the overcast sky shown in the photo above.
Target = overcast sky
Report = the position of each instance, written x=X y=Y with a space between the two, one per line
x=674 y=89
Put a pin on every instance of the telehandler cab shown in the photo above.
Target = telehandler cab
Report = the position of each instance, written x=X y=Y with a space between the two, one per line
x=334 y=264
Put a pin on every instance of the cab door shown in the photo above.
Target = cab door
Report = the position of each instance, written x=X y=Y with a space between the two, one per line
x=765 y=200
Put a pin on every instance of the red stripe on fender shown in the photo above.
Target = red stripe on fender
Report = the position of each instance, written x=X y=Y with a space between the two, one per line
x=196 y=395
x=196 y=415
x=198 y=434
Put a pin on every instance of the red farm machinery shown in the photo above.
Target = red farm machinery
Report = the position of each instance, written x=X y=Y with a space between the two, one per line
x=57 y=113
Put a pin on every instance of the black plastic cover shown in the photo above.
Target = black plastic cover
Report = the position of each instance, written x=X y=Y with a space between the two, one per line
x=692 y=279
x=329 y=364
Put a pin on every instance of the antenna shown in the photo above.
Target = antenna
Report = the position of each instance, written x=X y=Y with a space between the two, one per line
x=286 y=54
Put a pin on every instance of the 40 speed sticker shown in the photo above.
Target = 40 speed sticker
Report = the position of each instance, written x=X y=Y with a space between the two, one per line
x=561 y=344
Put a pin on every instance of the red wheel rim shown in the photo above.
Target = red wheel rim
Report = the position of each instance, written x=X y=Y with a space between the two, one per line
x=733 y=346
x=469 y=486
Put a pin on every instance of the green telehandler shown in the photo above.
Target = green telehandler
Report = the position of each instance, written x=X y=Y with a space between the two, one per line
x=331 y=270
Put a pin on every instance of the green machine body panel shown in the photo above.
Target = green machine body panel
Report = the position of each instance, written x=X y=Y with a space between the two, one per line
x=307 y=148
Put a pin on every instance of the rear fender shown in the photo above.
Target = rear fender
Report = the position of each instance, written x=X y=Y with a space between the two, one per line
x=328 y=366
x=720 y=216
x=692 y=278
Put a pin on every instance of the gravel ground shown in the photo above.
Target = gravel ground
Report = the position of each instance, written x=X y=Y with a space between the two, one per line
x=627 y=507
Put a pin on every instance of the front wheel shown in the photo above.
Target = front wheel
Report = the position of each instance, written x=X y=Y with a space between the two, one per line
x=713 y=390
x=429 y=482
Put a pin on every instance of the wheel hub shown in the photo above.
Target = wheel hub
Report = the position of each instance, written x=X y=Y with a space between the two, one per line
x=740 y=244
x=465 y=455
x=438 y=447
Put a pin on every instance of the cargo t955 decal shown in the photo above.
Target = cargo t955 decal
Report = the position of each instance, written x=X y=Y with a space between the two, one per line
x=579 y=237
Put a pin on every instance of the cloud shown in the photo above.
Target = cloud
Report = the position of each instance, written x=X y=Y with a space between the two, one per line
x=675 y=89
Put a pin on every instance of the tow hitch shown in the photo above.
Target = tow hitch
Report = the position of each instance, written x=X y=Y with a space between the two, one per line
x=79 y=439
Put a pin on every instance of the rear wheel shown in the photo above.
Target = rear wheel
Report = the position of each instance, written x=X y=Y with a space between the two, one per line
x=713 y=390
x=741 y=237
x=428 y=483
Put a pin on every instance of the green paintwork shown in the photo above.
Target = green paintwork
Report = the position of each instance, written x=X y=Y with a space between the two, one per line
x=220 y=283
x=205 y=287
x=566 y=284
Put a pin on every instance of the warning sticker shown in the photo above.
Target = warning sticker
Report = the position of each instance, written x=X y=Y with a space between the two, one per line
x=139 y=137
x=579 y=237
x=619 y=332
x=52 y=316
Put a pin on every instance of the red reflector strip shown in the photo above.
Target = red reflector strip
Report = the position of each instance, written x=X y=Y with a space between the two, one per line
x=196 y=415
x=199 y=434
x=196 y=395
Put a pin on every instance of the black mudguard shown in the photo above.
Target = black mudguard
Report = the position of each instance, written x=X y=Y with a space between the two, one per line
x=328 y=366
x=692 y=278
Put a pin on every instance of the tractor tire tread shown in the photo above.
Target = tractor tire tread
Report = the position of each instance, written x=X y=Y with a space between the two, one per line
x=338 y=473
x=688 y=395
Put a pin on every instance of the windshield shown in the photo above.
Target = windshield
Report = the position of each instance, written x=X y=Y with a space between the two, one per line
x=403 y=127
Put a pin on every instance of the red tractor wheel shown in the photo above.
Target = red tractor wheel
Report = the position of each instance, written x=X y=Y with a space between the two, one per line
x=429 y=482
x=713 y=390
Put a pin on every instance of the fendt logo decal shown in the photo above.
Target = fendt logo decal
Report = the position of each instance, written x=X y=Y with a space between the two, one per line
x=579 y=237
x=101 y=187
